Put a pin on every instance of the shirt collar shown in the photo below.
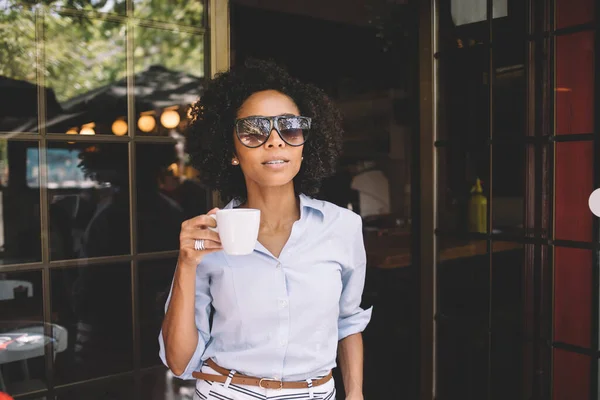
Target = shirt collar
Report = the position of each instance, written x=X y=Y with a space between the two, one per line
x=305 y=202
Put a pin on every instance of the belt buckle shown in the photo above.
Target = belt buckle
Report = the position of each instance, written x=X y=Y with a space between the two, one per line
x=272 y=380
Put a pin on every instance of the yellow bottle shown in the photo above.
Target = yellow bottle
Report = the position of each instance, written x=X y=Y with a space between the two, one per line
x=477 y=209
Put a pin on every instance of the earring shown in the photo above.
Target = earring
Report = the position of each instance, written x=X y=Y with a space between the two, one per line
x=302 y=158
x=235 y=162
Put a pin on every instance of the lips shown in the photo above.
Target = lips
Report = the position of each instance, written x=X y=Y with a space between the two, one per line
x=277 y=161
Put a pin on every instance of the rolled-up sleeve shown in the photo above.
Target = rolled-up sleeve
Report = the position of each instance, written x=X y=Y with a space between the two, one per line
x=203 y=307
x=353 y=319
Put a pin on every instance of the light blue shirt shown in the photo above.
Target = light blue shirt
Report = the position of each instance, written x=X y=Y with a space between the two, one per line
x=282 y=317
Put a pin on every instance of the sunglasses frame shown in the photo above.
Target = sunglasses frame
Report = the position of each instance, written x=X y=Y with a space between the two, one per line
x=274 y=124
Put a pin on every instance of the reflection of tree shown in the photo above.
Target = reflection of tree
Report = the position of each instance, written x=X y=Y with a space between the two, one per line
x=85 y=53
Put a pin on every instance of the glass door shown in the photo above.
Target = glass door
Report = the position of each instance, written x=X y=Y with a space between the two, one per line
x=515 y=142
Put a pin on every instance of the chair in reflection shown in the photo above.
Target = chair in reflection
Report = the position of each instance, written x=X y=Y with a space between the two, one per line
x=22 y=344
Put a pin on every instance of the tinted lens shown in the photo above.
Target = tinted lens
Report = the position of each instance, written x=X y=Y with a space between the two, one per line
x=294 y=130
x=253 y=132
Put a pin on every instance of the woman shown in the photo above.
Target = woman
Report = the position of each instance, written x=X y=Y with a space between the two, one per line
x=269 y=324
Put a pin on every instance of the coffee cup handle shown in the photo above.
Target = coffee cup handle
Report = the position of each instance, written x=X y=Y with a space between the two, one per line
x=213 y=216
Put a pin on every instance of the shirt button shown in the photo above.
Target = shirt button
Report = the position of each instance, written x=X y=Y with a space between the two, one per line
x=283 y=303
x=278 y=265
x=282 y=342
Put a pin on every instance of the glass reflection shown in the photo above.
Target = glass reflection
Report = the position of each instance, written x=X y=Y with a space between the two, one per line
x=101 y=6
x=86 y=68
x=93 y=303
x=463 y=293
x=508 y=194
x=19 y=202
x=575 y=71
x=18 y=88
x=168 y=193
x=88 y=192
x=573 y=296
x=574 y=12
x=571 y=374
x=154 y=282
x=506 y=322
x=574 y=182
x=464 y=187
x=173 y=50
x=22 y=340
x=169 y=68
x=179 y=12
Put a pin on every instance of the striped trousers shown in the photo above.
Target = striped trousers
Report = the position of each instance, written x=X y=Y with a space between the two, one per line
x=206 y=390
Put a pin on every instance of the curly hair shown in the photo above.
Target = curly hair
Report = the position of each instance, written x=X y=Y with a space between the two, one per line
x=209 y=138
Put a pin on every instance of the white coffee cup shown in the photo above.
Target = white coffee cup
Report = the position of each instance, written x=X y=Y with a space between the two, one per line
x=238 y=229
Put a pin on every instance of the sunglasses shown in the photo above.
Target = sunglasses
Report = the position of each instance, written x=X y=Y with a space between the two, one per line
x=255 y=131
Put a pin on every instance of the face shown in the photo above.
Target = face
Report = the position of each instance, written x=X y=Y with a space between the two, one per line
x=275 y=163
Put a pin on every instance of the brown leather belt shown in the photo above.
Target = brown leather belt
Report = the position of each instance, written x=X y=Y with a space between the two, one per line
x=265 y=383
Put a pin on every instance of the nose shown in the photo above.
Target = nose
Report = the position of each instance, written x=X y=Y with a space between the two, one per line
x=274 y=140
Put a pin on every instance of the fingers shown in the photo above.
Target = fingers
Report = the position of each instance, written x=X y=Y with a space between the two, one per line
x=197 y=229
x=201 y=221
x=199 y=233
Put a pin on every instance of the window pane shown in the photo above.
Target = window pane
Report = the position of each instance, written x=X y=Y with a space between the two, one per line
x=573 y=12
x=574 y=169
x=509 y=98
x=169 y=67
x=463 y=292
x=471 y=11
x=463 y=108
x=509 y=174
x=463 y=188
x=573 y=296
x=155 y=283
x=86 y=68
x=94 y=304
x=164 y=196
x=507 y=307
x=88 y=192
x=22 y=340
x=101 y=6
x=179 y=12
x=19 y=100
x=571 y=379
x=575 y=83
x=19 y=202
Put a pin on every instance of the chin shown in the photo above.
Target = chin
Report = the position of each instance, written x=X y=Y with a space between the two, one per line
x=274 y=181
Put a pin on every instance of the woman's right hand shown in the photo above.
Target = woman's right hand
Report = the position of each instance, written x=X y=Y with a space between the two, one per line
x=197 y=229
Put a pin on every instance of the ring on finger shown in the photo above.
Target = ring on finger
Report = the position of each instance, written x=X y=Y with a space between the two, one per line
x=199 y=245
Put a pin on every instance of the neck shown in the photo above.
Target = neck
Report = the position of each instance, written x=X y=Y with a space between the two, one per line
x=278 y=205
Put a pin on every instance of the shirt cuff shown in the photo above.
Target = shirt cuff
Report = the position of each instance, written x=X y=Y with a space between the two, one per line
x=194 y=363
x=354 y=323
